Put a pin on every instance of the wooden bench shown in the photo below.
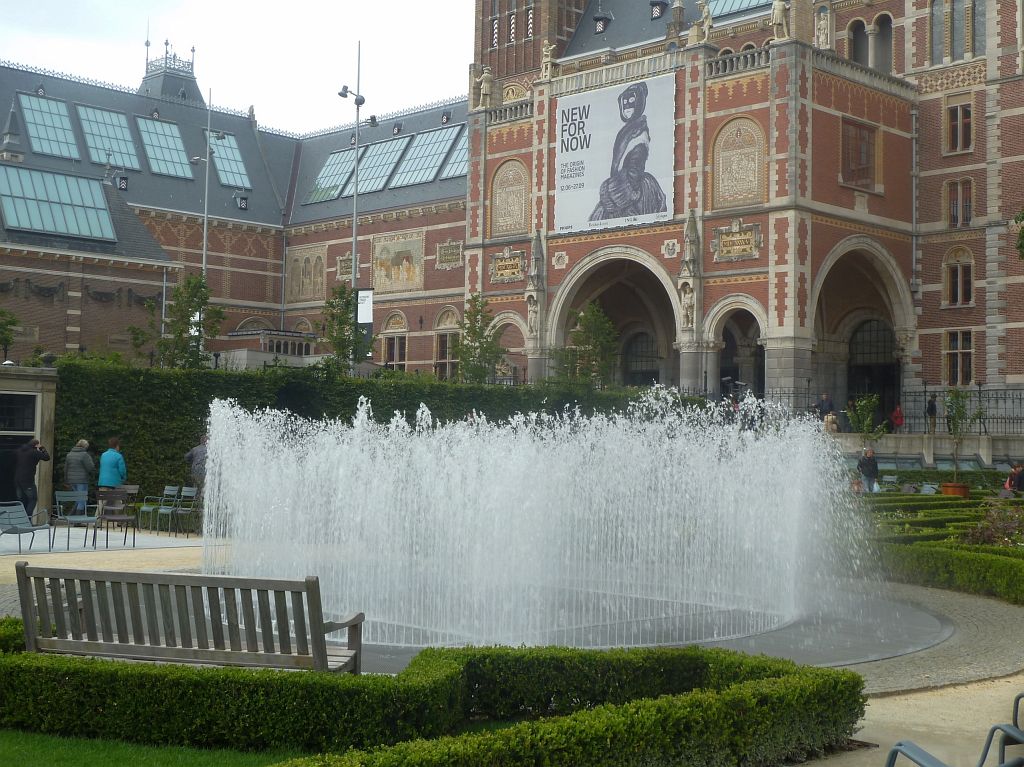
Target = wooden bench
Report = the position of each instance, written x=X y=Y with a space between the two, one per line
x=183 y=618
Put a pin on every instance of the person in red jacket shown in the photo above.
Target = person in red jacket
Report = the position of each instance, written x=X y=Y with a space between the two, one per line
x=896 y=419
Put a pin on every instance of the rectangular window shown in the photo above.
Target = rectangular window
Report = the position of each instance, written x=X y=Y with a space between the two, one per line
x=54 y=203
x=529 y=22
x=959 y=131
x=959 y=203
x=49 y=126
x=227 y=159
x=108 y=137
x=494 y=33
x=858 y=155
x=958 y=357
x=446 y=366
x=958 y=282
x=164 y=150
x=511 y=28
x=394 y=352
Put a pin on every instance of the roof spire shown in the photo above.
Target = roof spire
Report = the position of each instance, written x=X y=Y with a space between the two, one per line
x=147 y=42
x=10 y=139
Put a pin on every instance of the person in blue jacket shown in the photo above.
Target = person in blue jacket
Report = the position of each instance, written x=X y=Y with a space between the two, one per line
x=113 y=471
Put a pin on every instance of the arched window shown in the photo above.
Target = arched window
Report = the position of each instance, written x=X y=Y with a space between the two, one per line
x=937 y=31
x=959 y=202
x=857 y=34
x=958 y=278
x=748 y=47
x=393 y=341
x=725 y=52
x=978 y=27
x=510 y=201
x=948 y=22
x=883 y=44
x=957 y=42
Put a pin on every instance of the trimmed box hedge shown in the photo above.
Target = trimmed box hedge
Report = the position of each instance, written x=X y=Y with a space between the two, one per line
x=987 y=574
x=582 y=706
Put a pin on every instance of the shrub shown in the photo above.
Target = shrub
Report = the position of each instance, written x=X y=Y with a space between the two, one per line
x=12 y=635
x=962 y=570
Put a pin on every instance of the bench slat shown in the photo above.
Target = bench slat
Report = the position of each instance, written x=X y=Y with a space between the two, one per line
x=249 y=618
x=117 y=597
x=188 y=579
x=29 y=613
x=103 y=611
x=167 y=613
x=231 y=605
x=283 y=635
x=181 y=599
x=57 y=600
x=200 y=617
x=299 y=618
x=266 y=626
x=43 y=608
x=88 y=613
x=216 y=619
x=152 y=623
x=135 y=610
x=74 y=619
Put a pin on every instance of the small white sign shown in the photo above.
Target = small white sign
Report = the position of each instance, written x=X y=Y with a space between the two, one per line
x=364 y=310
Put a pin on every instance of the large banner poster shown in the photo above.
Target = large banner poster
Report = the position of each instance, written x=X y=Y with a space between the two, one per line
x=615 y=156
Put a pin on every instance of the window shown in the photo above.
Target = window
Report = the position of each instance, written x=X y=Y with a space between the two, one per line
x=948 y=25
x=858 y=37
x=394 y=352
x=108 y=138
x=958 y=274
x=958 y=205
x=937 y=31
x=49 y=126
x=511 y=28
x=959 y=132
x=446 y=366
x=494 y=33
x=458 y=163
x=54 y=203
x=425 y=156
x=227 y=159
x=958 y=355
x=883 y=44
x=332 y=176
x=529 y=22
x=166 y=153
x=376 y=164
x=858 y=155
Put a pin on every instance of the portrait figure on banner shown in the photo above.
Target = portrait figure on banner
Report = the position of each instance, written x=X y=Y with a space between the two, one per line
x=398 y=262
x=629 y=189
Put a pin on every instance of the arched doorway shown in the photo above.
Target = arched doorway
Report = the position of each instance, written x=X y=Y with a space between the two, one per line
x=873 y=367
x=635 y=293
x=741 y=359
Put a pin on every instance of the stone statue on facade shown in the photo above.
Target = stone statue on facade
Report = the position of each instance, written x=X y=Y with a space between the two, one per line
x=532 y=314
x=686 y=301
x=780 y=19
x=705 y=23
x=822 y=30
x=486 y=83
x=547 y=60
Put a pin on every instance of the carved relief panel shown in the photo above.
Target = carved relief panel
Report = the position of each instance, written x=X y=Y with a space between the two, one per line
x=510 y=201
x=305 y=277
x=739 y=169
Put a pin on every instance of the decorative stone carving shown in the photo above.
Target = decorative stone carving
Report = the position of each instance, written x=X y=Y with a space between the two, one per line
x=395 y=322
x=686 y=302
x=449 y=255
x=513 y=92
x=507 y=266
x=103 y=296
x=701 y=28
x=343 y=267
x=510 y=200
x=560 y=260
x=547 y=60
x=739 y=165
x=486 y=83
x=736 y=242
x=670 y=248
x=447 y=320
x=780 y=19
x=823 y=29
x=306 y=272
x=532 y=314
x=398 y=262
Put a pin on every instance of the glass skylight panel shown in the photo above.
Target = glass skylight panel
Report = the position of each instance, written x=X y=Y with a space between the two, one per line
x=458 y=164
x=332 y=176
x=108 y=132
x=376 y=164
x=164 y=149
x=227 y=159
x=49 y=126
x=425 y=156
x=54 y=203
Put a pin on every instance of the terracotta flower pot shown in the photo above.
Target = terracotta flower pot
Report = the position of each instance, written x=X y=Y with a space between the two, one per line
x=955 y=488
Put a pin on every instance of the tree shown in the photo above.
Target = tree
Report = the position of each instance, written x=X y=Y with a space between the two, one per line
x=1018 y=224
x=862 y=419
x=478 y=349
x=593 y=346
x=341 y=330
x=7 y=324
x=190 y=323
x=959 y=420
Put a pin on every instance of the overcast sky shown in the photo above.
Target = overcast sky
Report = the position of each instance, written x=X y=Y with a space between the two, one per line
x=288 y=59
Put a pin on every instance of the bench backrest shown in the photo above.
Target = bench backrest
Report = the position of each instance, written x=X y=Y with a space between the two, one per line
x=174 y=616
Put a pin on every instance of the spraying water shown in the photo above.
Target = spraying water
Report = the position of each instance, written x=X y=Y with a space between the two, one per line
x=662 y=525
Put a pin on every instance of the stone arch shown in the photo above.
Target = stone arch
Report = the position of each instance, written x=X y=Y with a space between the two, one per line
x=740 y=172
x=882 y=40
x=508 y=317
x=395 y=322
x=894 y=285
x=254 y=323
x=721 y=310
x=857 y=41
x=447 y=319
x=561 y=302
x=510 y=199
x=303 y=325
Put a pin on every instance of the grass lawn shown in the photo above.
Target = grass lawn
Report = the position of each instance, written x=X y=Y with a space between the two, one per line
x=26 y=749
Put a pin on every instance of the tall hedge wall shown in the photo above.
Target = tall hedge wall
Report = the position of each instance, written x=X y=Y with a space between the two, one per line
x=159 y=414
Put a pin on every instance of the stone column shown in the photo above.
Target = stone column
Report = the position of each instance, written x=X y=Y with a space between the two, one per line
x=872 y=30
x=789 y=368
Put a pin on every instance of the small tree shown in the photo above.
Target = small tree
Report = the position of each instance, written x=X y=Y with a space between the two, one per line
x=1018 y=222
x=862 y=419
x=7 y=324
x=341 y=330
x=959 y=419
x=593 y=344
x=190 y=323
x=478 y=348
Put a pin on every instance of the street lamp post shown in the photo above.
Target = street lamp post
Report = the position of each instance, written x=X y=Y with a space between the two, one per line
x=206 y=201
x=359 y=100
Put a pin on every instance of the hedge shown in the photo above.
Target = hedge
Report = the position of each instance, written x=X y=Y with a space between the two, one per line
x=160 y=413
x=613 y=705
x=961 y=570
x=12 y=635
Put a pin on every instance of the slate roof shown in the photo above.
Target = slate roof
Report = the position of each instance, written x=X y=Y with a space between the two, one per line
x=632 y=24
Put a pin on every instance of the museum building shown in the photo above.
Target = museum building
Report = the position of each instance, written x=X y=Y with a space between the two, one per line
x=803 y=197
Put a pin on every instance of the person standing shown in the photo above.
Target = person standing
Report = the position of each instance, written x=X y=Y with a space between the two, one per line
x=196 y=459
x=26 y=459
x=896 y=419
x=113 y=471
x=824 y=406
x=868 y=468
x=931 y=410
x=79 y=469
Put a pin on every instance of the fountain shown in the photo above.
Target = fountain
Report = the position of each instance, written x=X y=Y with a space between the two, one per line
x=664 y=525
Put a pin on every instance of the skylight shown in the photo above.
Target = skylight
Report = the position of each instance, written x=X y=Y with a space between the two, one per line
x=425 y=156
x=332 y=177
x=227 y=159
x=49 y=126
x=54 y=203
x=164 y=150
x=108 y=132
x=458 y=164
x=376 y=164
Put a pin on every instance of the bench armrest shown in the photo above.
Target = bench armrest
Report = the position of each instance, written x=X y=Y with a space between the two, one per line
x=914 y=753
x=352 y=620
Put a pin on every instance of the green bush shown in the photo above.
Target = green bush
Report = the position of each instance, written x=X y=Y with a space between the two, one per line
x=582 y=707
x=958 y=569
x=12 y=635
